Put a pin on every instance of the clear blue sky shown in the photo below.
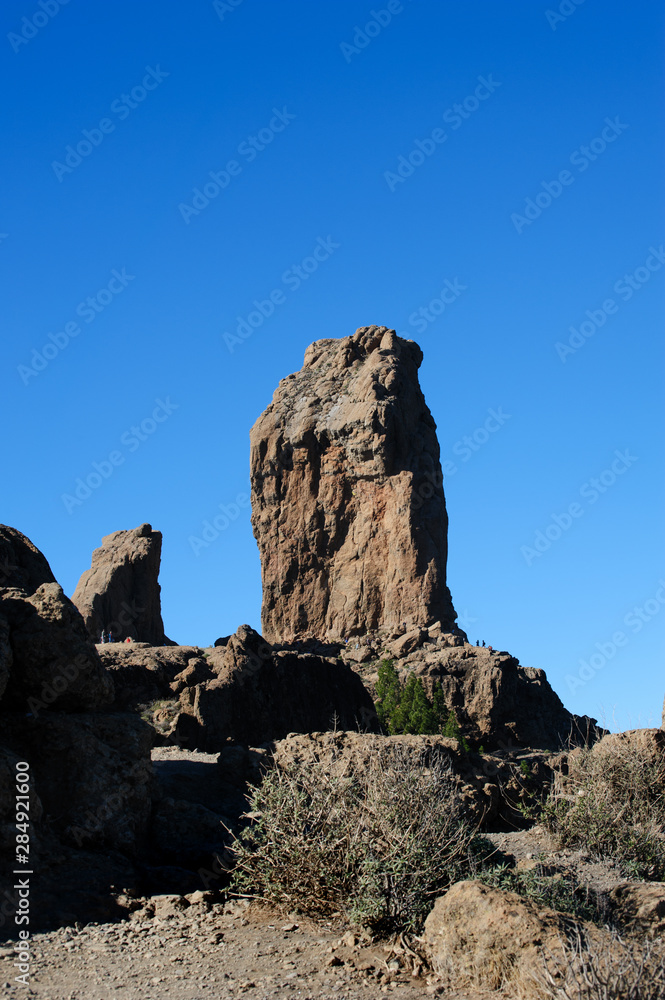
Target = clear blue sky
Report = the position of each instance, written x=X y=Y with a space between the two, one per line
x=307 y=112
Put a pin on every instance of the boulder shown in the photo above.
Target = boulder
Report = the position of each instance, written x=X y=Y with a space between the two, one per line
x=488 y=938
x=120 y=593
x=408 y=642
x=259 y=694
x=47 y=659
x=347 y=498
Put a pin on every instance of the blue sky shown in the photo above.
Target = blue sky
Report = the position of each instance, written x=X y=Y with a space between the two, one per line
x=484 y=177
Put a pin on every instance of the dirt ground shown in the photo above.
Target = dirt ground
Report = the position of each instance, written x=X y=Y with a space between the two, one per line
x=215 y=951
x=196 y=947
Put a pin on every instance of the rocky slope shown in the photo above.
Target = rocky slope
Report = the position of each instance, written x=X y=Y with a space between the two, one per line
x=347 y=498
x=120 y=593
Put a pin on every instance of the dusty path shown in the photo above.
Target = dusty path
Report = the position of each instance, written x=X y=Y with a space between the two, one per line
x=213 y=951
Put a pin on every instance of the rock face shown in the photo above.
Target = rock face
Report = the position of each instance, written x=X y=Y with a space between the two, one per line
x=143 y=674
x=256 y=694
x=347 y=498
x=90 y=769
x=497 y=702
x=500 y=703
x=120 y=592
x=47 y=659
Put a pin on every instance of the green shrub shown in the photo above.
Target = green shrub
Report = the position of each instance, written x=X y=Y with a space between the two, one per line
x=611 y=803
x=405 y=708
x=379 y=845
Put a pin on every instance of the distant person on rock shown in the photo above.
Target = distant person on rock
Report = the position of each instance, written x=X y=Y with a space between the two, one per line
x=103 y=637
x=110 y=636
x=128 y=639
x=483 y=642
x=490 y=649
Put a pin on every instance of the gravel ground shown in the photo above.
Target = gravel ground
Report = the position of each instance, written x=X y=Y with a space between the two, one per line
x=214 y=951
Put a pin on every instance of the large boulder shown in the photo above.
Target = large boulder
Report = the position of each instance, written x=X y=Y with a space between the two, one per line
x=489 y=938
x=47 y=659
x=259 y=694
x=90 y=770
x=347 y=498
x=120 y=593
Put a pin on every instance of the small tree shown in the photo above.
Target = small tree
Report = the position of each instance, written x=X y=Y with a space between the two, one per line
x=406 y=708
x=388 y=693
x=453 y=731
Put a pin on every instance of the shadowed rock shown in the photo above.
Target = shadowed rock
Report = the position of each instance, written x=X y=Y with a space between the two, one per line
x=259 y=694
x=47 y=659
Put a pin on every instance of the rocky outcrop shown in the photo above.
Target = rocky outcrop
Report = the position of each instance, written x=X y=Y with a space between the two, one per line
x=347 y=498
x=47 y=659
x=257 y=694
x=497 y=702
x=501 y=704
x=485 y=937
x=93 y=774
x=142 y=673
x=120 y=593
x=90 y=769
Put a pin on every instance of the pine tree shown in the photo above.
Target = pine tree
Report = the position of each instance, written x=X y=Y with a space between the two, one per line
x=388 y=693
x=406 y=708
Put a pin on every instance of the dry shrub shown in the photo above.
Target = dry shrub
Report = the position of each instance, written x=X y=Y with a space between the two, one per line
x=608 y=968
x=378 y=845
x=612 y=804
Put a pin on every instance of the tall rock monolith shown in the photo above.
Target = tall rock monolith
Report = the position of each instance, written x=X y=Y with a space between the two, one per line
x=120 y=592
x=347 y=494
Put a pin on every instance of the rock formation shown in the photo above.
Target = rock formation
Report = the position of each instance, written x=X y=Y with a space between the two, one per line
x=90 y=769
x=347 y=498
x=47 y=659
x=120 y=592
x=256 y=694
